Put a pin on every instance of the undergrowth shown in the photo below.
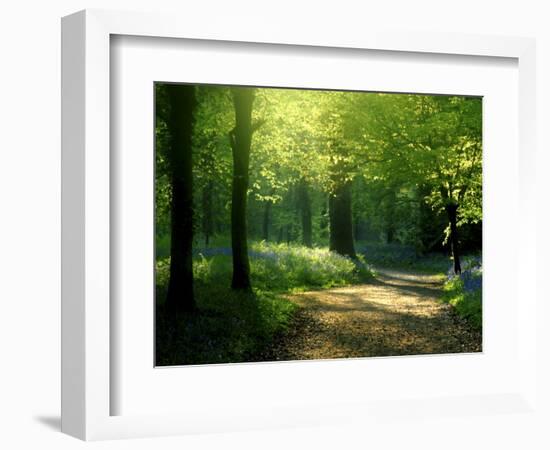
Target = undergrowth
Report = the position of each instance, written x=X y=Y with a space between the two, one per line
x=464 y=293
x=399 y=256
x=233 y=326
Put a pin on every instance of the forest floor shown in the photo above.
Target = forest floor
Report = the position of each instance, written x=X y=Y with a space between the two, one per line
x=398 y=313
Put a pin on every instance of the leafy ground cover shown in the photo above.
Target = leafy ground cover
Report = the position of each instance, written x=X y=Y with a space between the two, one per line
x=231 y=326
x=464 y=291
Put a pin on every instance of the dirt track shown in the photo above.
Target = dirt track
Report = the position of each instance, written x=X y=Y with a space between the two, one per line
x=397 y=314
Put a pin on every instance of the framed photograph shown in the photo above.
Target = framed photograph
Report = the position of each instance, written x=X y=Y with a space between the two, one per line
x=271 y=229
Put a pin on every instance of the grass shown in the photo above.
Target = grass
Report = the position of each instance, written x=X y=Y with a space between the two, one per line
x=231 y=326
x=227 y=327
x=467 y=303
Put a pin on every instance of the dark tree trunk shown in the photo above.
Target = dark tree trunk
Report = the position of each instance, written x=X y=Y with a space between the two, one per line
x=290 y=235
x=324 y=223
x=452 y=209
x=280 y=237
x=267 y=220
x=304 y=203
x=341 y=223
x=241 y=138
x=180 y=296
x=390 y=233
x=357 y=232
x=207 y=218
x=389 y=206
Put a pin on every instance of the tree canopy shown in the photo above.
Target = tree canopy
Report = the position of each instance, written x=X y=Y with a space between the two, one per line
x=328 y=168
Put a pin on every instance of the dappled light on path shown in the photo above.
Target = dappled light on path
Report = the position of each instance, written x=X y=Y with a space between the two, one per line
x=397 y=314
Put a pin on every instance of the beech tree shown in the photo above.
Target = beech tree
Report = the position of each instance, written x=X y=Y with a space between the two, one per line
x=433 y=145
x=240 y=138
x=181 y=101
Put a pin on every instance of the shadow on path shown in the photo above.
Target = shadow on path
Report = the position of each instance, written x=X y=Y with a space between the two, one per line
x=397 y=314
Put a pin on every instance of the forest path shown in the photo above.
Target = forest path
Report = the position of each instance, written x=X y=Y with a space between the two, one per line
x=396 y=314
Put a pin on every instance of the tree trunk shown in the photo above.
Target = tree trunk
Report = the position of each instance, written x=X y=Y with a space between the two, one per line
x=290 y=233
x=341 y=224
x=267 y=220
x=452 y=213
x=241 y=138
x=324 y=223
x=389 y=216
x=390 y=233
x=280 y=237
x=357 y=231
x=207 y=217
x=304 y=203
x=180 y=296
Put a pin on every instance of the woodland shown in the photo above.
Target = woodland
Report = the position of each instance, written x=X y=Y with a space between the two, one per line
x=312 y=224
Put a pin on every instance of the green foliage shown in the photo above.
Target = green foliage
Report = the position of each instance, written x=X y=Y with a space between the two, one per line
x=163 y=188
x=408 y=155
x=162 y=246
x=467 y=304
x=283 y=267
x=399 y=256
x=431 y=143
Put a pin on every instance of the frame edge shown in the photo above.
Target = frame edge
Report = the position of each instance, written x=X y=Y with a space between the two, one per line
x=73 y=82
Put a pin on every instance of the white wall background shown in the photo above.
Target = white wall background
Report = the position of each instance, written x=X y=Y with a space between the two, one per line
x=30 y=223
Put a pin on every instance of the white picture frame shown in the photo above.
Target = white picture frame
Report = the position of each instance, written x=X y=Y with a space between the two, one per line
x=87 y=386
